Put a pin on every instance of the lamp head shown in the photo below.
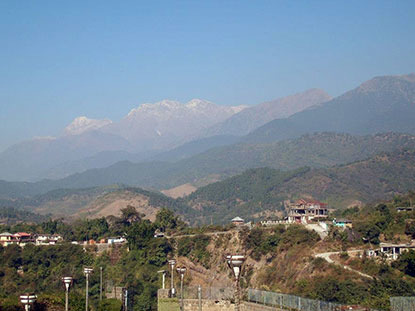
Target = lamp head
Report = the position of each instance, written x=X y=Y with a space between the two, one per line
x=88 y=270
x=28 y=299
x=172 y=262
x=181 y=270
x=67 y=281
x=235 y=262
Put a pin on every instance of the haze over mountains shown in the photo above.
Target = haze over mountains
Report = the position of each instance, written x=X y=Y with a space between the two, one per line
x=383 y=104
x=373 y=124
x=144 y=132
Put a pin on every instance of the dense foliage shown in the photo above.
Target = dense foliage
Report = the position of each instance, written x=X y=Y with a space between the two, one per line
x=265 y=189
x=40 y=268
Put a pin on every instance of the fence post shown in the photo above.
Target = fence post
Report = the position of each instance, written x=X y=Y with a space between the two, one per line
x=199 y=294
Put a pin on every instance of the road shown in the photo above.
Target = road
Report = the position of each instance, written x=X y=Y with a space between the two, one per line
x=327 y=255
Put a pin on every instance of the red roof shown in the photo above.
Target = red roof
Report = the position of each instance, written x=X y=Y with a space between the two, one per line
x=22 y=234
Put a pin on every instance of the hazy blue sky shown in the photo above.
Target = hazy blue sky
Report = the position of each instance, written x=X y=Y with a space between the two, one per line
x=63 y=59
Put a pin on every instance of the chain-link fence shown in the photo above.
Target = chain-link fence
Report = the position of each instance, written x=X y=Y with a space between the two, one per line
x=402 y=303
x=292 y=302
x=210 y=293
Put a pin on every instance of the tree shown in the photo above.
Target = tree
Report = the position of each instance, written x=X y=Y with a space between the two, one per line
x=406 y=263
x=130 y=215
x=165 y=219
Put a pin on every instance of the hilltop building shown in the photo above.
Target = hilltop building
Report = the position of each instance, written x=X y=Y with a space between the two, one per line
x=305 y=211
x=20 y=238
x=238 y=221
x=47 y=239
x=6 y=238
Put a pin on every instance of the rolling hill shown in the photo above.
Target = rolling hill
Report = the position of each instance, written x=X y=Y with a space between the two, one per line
x=261 y=192
x=313 y=150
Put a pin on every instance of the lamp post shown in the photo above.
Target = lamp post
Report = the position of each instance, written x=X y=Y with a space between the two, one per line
x=87 y=272
x=163 y=278
x=28 y=300
x=67 y=281
x=181 y=271
x=172 y=263
x=235 y=263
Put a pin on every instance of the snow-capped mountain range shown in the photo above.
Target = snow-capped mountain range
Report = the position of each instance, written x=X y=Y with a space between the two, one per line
x=146 y=130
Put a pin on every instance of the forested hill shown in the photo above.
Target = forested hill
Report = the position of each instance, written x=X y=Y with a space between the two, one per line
x=11 y=215
x=313 y=150
x=261 y=192
x=97 y=202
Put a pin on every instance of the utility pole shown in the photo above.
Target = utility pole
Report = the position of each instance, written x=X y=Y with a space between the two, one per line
x=100 y=283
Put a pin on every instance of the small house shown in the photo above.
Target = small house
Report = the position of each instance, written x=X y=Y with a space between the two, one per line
x=344 y=223
x=7 y=238
x=392 y=251
x=237 y=221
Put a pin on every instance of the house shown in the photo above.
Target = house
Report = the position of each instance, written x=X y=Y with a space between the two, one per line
x=305 y=211
x=405 y=209
x=158 y=234
x=270 y=223
x=47 y=239
x=372 y=252
x=6 y=238
x=23 y=238
x=392 y=251
x=238 y=221
x=344 y=223
x=116 y=240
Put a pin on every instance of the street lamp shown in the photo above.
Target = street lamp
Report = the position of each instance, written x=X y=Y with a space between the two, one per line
x=87 y=272
x=235 y=263
x=181 y=271
x=27 y=300
x=67 y=281
x=163 y=278
x=172 y=263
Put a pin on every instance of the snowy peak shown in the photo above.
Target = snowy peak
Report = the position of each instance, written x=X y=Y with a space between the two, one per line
x=83 y=124
x=172 y=107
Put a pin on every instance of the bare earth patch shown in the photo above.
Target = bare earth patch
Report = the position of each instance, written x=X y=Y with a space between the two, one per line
x=180 y=191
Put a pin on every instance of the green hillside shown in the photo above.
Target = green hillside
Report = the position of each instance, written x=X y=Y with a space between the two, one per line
x=265 y=189
x=313 y=150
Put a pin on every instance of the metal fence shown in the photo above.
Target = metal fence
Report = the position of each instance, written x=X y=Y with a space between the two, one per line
x=297 y=303
x=402 y=303
x=210 y=293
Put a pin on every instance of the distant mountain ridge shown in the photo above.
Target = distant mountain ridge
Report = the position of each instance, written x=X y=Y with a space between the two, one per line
x=148 y=129
x=381 y=104
x=253 y=117
x=316 y=150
